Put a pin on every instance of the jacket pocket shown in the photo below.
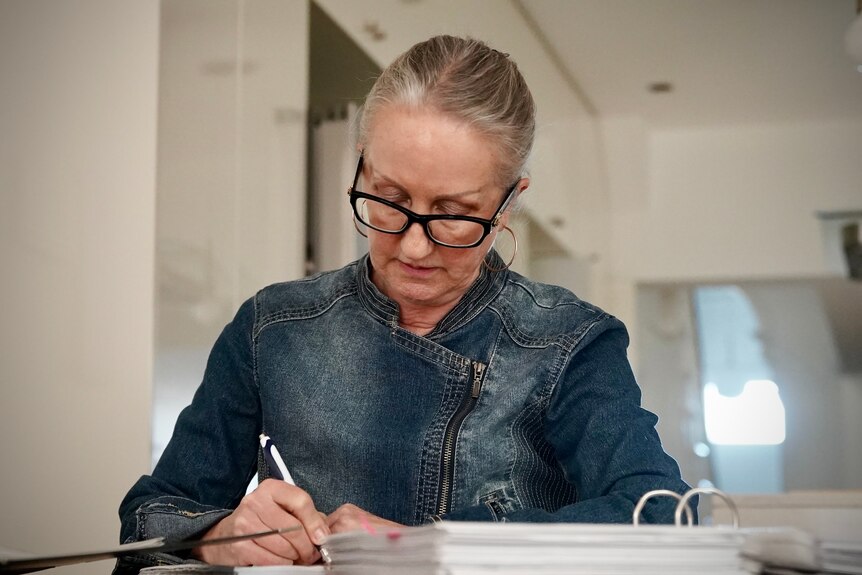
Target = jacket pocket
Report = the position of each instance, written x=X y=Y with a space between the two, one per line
x=500 y=503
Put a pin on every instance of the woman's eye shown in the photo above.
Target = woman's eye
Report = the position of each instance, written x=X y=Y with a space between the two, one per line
x=453 y=209
x=391 y=194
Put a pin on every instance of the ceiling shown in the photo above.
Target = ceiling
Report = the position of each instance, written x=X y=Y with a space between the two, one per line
x=728 y=61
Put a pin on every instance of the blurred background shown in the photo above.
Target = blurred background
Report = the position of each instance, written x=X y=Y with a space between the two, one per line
x=697 y=172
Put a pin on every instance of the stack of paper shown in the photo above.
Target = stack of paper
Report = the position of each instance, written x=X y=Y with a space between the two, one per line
x=459 y=548
x=203 y=569
x=841 y=557
x=781 y=549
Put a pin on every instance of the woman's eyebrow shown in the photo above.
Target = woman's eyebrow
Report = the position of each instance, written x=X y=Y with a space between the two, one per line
x=376 y=175
x=446 y=196
x=458 y=195
x=385 y=179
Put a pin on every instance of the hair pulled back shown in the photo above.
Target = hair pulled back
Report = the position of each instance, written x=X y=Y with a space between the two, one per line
x=469 y=81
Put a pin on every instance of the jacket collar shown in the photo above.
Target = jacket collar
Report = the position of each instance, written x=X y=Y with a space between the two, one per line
x=486 y=287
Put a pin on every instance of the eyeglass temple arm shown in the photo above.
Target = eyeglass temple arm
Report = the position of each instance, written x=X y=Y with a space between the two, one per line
x=358 y=172
x=501 y=210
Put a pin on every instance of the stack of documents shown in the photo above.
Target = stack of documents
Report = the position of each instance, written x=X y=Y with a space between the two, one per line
x=841 y=557
x=203 y=569
x=479 y=548
x=787 y=550
x=781 y=549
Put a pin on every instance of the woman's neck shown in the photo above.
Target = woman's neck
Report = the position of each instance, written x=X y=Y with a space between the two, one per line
x=422 y=320
x=421 y=315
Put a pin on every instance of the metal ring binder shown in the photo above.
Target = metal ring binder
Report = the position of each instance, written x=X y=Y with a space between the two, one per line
x=683 y=504
x=636 y=514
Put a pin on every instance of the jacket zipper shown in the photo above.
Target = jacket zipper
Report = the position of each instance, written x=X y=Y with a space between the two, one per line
x=450 y=439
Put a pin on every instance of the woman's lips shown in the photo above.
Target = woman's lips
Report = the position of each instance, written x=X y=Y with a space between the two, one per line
x=416 y=271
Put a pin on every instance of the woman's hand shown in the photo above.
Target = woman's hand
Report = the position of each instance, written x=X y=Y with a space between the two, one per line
x=349 y=517
x=273 y=505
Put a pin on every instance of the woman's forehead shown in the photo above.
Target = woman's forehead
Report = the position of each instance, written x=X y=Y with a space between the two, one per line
x=409 y=144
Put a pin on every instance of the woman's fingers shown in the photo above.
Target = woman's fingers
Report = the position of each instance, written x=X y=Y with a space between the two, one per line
x=273 y=505
x=349 y=517
x=240 y=552
x=298 y=504
x=262 y=514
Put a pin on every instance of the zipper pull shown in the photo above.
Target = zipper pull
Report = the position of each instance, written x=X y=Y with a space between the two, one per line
x=478 y=372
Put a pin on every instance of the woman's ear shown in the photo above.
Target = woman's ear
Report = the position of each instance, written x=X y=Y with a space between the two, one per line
x=522 y=185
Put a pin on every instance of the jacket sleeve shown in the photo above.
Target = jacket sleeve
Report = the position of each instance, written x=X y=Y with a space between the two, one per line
x=212 y=455
x=604 y=441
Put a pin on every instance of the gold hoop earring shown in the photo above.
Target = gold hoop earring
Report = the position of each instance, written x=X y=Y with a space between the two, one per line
x=356 y=225
x=511 y=259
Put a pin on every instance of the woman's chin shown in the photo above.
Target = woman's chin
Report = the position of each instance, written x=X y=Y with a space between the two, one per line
x=417 y=294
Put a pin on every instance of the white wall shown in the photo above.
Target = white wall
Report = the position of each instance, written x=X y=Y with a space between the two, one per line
x=231 y=144
x=77 y=171
x=728 y=202
x=737 y=201
x=722 y=203
x=233 y=91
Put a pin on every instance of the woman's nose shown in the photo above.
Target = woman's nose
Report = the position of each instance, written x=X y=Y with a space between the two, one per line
x=415 y=243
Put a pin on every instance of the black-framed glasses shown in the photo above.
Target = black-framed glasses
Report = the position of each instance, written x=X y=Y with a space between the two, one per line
x=446 y=230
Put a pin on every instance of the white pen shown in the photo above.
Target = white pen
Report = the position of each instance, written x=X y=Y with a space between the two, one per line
x=278 y=470
x=276 y=465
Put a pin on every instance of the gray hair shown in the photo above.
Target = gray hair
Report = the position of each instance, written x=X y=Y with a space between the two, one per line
x=470 y=81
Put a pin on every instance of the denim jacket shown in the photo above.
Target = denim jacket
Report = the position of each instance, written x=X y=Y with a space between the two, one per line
x=520 y=405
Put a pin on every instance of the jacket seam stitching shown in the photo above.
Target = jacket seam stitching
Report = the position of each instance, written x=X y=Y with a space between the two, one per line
x=303 y=313
x=576 y=303
x=451 y=360
x=565 y=341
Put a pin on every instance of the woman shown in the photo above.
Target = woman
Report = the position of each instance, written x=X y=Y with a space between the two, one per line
x=425 y=380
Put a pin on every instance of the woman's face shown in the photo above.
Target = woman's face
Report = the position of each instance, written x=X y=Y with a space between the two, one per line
x=430 y=164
